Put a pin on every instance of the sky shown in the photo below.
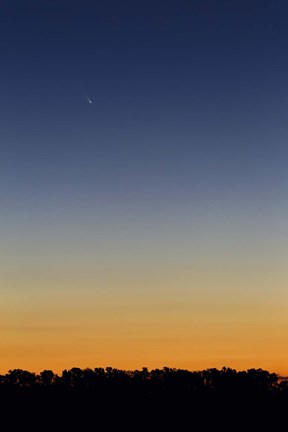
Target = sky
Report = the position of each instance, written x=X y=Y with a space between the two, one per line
x=149 y=227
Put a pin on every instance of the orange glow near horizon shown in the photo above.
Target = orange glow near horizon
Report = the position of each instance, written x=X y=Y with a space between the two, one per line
x=181 y=320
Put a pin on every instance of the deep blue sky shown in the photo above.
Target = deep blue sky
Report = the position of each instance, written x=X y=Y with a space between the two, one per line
x=188 y=97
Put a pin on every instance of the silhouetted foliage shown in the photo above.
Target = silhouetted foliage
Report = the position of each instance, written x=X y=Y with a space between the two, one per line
x=159 y=399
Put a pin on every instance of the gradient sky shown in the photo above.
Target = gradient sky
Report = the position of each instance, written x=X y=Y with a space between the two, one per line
x=148 y=228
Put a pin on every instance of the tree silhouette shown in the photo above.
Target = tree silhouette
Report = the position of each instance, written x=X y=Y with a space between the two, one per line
x=156 y=399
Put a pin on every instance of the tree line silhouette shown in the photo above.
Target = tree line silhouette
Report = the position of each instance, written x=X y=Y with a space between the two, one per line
x=158 y=399
x=156 y=380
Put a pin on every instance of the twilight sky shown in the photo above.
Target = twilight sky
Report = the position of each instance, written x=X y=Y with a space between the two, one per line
x=148 y=228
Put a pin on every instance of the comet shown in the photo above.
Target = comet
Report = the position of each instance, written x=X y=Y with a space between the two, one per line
x=89 y=100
